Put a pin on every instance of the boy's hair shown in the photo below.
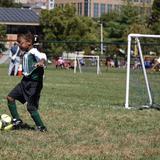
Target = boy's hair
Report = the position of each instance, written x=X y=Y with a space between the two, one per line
x=28 y=37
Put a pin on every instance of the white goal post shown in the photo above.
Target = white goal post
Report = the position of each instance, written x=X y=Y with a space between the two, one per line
x=78 y=64
x=137 y=37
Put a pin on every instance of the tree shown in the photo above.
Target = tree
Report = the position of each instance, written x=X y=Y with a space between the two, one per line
x=6 y=3
x=154 y=20
x=3 y=30
x=62 y=24
x=155 y=15
x=128 y=20
x=119 y=24
x=9 y=3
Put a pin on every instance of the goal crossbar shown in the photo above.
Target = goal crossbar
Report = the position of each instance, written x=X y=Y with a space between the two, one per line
x=143 y=36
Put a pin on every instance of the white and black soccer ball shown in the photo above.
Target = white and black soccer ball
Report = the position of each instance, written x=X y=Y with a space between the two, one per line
x=5 y=122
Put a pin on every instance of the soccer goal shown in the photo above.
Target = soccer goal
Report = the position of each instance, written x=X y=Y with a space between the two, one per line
x=87 y=63
x=142 y=83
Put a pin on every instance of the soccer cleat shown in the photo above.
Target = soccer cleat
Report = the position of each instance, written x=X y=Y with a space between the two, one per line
x=41 y=128
x=17 y=123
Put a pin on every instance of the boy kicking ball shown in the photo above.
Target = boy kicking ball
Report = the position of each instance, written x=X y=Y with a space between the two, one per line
x=29 y=89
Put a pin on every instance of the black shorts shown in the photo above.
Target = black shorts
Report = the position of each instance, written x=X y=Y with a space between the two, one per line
x=27 y=91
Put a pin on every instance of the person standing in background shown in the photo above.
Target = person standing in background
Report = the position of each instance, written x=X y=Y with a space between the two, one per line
x=14 y=56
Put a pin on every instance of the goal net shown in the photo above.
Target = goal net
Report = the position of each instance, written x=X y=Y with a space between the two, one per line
x=86 y=63
x=143 y=73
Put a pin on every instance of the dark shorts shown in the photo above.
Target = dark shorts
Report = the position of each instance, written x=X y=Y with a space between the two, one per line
x=27 y=91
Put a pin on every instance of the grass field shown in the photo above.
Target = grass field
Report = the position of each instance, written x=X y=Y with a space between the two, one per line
x=86 y=120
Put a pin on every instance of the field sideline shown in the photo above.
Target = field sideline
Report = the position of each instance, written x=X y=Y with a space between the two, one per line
x=86 y=120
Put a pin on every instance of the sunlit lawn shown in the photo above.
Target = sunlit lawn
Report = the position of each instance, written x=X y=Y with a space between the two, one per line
x=86 y=119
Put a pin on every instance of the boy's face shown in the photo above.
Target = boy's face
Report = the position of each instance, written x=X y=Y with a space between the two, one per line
x=24 y=44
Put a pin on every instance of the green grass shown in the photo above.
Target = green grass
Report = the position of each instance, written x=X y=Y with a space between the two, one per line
x=86 y=120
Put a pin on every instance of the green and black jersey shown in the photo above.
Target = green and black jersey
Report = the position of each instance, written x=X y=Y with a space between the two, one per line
x=30 y=71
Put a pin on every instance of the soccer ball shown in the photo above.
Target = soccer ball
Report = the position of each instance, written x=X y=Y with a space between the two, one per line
x=5 y=122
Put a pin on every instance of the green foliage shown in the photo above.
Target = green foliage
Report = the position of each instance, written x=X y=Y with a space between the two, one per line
x=154 y=20
x=156 y=8
x=128 y=20
x=3 y=31
x=115 y=29
x=156 y=28
x=9 y=3
x=6 y=3
x=64 y=25
x=128 y=14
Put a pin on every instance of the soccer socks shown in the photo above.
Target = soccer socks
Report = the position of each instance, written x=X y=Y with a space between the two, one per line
x=13 y=110
x=37 y=119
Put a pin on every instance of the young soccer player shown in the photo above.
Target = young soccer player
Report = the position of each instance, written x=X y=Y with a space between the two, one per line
x=29 y=89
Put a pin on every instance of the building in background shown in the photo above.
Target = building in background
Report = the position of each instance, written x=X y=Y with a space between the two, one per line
x=19 y=20
x=20 y=1
x=43 y=4
x=95 y=8
x=91 y=8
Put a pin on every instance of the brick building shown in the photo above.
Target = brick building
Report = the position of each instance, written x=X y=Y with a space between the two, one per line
x=44 y=4
x=92 y=8
x=95 y=8
x=19 y=20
